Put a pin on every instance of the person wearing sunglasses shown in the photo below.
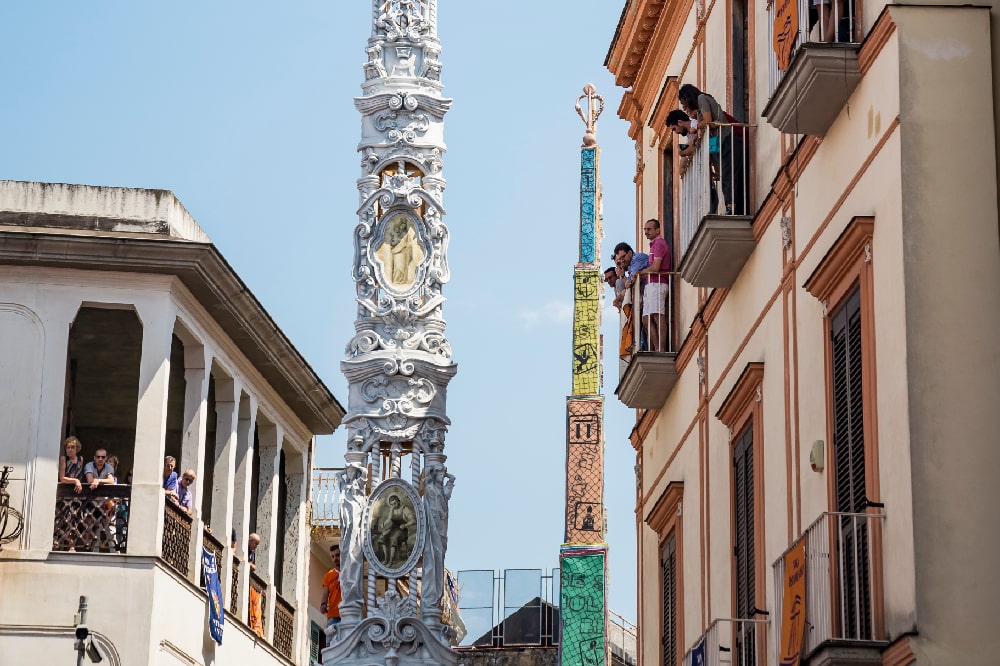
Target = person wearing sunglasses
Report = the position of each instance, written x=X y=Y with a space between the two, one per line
x=99 y=471
x=185 y=493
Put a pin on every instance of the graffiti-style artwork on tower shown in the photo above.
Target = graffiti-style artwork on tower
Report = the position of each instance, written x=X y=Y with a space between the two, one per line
x=583 y=570
x=395 y=487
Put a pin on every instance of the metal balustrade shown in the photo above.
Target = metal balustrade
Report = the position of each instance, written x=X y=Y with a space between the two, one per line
x=92 y=520
x=177 y=538
x=832 y=22
x=622 y=639
x=284 y=626
x=325 y=497
x=840 y=581
x=234 y=586
x=730 y=642
x=640 y=330
x=715 y=177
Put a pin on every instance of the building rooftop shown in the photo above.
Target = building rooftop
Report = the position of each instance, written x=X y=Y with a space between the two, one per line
x=149 y=231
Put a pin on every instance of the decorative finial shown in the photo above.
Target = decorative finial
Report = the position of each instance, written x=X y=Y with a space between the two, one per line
x=595 y=105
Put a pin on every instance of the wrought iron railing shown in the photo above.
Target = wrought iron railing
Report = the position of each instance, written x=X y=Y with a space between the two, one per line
x=257 y=614
x=622 y=639
x=284 y=626
x=92 y=520
x=11 y=520
x=841 y=585
x=325 y=497
x=234 y=585
x=730 y=641
x=177 y=538
x=715 y=178
x=833 y=22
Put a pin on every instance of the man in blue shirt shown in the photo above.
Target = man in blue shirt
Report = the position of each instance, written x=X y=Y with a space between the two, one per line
x=169 y=475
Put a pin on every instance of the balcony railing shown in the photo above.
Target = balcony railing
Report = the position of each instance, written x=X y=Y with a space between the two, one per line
x=177 y=538
x=647 y=342
x=622 y=639
x=812 y=63
x=234 y=586
x=93 y=520
x=841 y=586
x=325 y=497
x=716 y=205
x=284 y=626
x=832 y=22
x=730 y=642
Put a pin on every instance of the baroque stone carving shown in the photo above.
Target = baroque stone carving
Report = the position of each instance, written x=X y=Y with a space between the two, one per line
x=398 y=361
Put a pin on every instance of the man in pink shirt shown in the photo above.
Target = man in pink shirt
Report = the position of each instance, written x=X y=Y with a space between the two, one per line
x=656 y=292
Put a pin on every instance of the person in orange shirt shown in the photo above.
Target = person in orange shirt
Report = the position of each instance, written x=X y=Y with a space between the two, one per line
x=331 y=582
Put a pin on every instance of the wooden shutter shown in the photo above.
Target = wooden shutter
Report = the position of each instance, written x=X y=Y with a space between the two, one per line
x=668 y=576
x=849 y=467
x=316 y=640
x=743 y=549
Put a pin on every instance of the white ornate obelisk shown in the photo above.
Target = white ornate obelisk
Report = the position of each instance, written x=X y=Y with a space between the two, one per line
x=395 y=486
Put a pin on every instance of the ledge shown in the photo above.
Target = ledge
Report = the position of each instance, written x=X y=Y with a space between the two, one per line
x=846 y=653
x=720 y=247
x=648 y=381
x=817 y=85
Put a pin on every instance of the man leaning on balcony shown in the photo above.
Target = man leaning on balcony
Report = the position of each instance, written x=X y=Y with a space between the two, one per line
x=654 y=295
x=99 y=471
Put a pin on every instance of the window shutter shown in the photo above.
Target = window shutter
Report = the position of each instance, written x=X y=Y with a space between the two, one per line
x=316 y=639
x=668 y=574
x=849 y=467
x=746 y=601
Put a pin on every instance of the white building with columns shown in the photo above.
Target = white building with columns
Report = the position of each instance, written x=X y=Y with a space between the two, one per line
x=124 y=326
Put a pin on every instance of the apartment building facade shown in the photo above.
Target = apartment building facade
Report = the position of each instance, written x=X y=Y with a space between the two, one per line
x=826 y=396
x=125 y=327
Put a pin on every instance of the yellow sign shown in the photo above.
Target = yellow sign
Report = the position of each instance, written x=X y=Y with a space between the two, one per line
x=785 y=30
x=793 y=606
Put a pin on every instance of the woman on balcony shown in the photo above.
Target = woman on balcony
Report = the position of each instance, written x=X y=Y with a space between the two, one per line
x=71 y=464
x=727 y=144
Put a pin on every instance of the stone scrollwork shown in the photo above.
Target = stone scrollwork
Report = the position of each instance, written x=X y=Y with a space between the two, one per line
x=398 y=394
x=403 y=19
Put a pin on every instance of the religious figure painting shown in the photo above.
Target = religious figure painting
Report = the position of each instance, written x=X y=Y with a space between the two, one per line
x=395 y=527
x=400 y=252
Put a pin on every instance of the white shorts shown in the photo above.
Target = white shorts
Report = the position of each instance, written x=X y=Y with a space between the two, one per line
x=654 y=298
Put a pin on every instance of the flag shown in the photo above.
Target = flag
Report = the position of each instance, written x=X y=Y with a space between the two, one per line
x=216 y=616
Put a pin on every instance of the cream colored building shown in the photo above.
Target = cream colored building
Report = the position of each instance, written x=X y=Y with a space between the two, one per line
x=833 y=368
x=123 y=325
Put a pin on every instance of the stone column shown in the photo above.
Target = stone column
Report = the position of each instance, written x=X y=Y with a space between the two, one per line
x=267 y=512
x=242 y=484
x=42 y=464
x=227 y=392
x=146 y=514
x=197 y=361
x=296 y=540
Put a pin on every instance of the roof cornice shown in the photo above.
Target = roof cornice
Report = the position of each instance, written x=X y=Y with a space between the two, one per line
x=214 y=283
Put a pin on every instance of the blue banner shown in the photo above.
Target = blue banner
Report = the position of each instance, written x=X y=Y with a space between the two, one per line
x=216 y=616
x=698 y=654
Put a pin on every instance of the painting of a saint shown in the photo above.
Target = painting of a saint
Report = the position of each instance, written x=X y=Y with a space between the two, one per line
x=393 y=529
x=400 y=251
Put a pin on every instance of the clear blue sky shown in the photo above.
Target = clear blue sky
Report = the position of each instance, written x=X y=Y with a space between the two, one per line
x=245 y=111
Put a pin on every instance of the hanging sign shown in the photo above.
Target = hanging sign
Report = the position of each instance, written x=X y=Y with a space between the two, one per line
x=216 y=616
x=785 y=30
x=793 y=606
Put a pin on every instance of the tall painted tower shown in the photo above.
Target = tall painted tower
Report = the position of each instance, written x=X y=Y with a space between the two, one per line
x=395 y=487
x=583 y=557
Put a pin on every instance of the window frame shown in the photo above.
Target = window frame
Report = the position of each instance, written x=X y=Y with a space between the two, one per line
x=846 y=267
x=665 y=520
